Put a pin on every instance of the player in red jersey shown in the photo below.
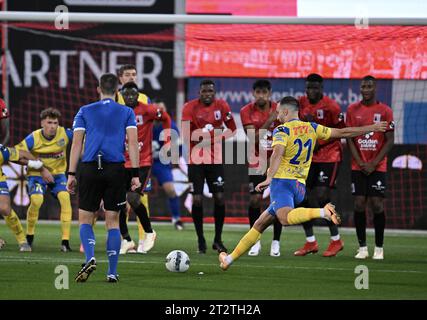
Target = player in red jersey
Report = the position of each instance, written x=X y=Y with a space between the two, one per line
x=145 y=115
x=319 y=108
x=369 y=165
x=202 y=123
x=260 y=115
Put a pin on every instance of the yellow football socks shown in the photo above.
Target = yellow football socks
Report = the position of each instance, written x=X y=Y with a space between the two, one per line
x=144 y=201
x=33 y=212
x=14 y=224
x=66 y=213
x=300 y=215
x=245 y=243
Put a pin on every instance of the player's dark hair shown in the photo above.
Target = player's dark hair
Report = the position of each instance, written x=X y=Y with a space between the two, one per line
x=108 y=83
x=50 y=113
x=261 y=84
x=290 y=102
x=369 y=78
x=125 y=67
x=314 y=77
x=130 y=85
x=207 y=82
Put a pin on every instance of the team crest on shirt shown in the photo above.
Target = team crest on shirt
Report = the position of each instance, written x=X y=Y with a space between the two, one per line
x=320 y=114
x=217 y=114
x=139 y=120
x=61 y=142
x=377 y=117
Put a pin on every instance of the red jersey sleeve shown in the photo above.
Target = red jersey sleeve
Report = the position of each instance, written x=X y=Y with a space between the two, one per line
x=337 y=115
x=166 y=123
x=389 y=119
x=245 y=116
x=4 y=112
x=349 y=119
x=187 y=113
x=227 y=117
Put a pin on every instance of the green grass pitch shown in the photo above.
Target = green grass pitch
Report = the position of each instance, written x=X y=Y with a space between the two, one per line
x=402 y=275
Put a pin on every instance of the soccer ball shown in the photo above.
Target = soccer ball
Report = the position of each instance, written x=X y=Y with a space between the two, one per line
x=177 y=261
x=2 y=243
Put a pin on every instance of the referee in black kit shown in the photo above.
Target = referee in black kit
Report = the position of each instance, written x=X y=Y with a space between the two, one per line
x=102 y=174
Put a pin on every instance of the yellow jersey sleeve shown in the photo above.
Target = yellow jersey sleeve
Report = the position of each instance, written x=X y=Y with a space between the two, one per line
x=322 y=132
x=8 y=154
x=280 y=136
x=13 y=154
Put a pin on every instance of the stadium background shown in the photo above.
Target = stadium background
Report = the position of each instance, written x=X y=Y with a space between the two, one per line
x=59 y=68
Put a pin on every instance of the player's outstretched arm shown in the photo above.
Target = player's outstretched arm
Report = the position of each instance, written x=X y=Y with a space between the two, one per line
x=351 y=132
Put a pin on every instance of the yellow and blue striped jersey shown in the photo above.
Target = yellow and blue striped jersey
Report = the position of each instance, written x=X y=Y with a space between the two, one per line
x=6 y=155
x=298 y=138
x=141 y=98
x=53 y=153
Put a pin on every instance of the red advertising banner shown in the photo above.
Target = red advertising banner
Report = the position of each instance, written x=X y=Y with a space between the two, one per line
x=243 y=7
x=293 y=51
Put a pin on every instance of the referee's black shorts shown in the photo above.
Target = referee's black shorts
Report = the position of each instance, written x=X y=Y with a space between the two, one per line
x=107 y=184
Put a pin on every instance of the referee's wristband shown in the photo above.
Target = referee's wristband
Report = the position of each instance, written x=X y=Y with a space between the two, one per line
x=135 y=172
x=71 y=173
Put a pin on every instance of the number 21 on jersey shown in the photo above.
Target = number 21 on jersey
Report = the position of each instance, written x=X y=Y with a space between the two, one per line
x=304 y=151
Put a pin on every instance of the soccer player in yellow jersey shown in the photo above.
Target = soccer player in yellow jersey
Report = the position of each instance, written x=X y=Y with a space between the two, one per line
x=50 y=145
x=293 y=145
x=10 y=216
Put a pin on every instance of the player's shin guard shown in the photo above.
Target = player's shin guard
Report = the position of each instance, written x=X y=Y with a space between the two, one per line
x=197 y=214
x=144 y=201
x=379 y=226
x=360 y=224
x=219 y=221
x=33 y=212
x=87 y=238
x=300 y=215
x=14 y=224
x=123 y=216
x=64 y=200
x=141 y=213
x=248 y=240
x=113 y=249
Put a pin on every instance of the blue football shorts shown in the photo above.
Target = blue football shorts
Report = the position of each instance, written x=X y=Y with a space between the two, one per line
x=285 y=193
x=162 y=172
x=4 y=189
x=36 y=185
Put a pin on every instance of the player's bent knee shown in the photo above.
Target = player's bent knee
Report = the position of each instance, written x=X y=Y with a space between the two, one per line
x=134 y=199
x=377 y=207
x=169 y=189
x=36 y=200
x=219 y=199
x=197 y=200
x=64 y=197
x=359 y=205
